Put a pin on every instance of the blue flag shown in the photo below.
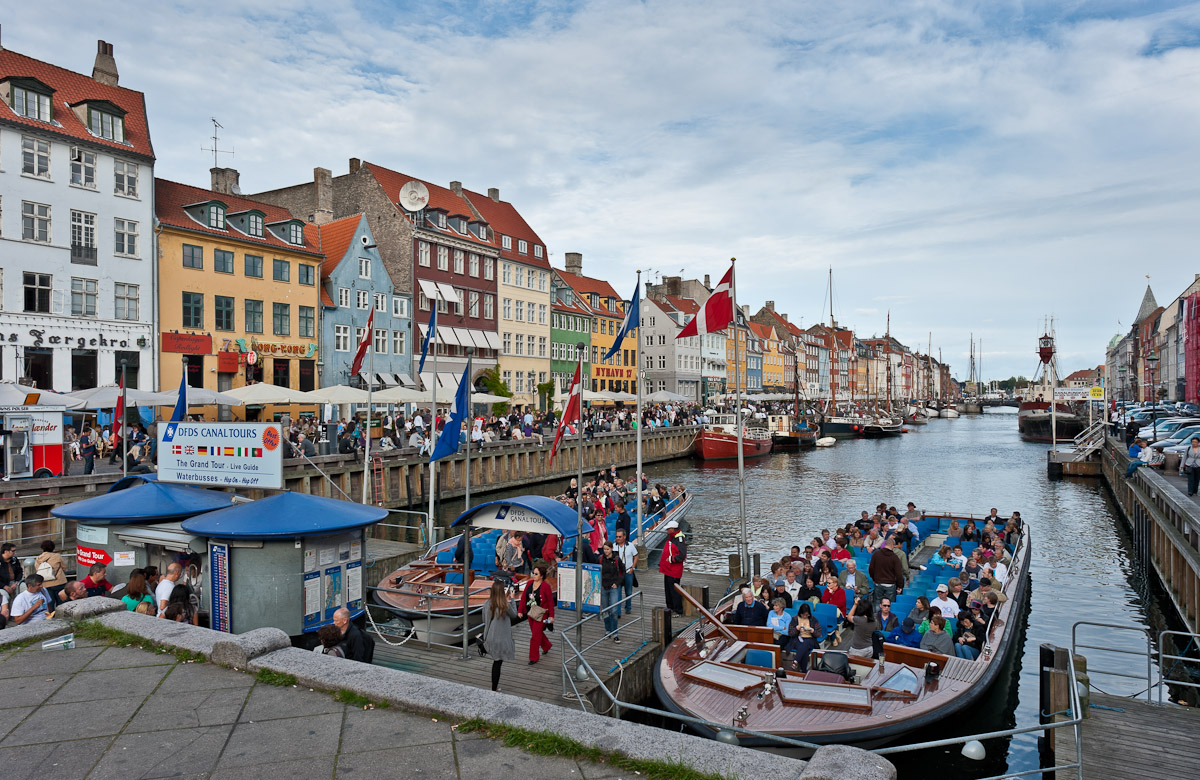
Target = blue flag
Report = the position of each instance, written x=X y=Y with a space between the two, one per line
x=428 y=337
x=630 y=322
x=181 y=402
x=447 y=443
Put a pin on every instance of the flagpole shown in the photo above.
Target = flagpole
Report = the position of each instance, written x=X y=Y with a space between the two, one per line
x=741 y=458
x=120 y=424
x=370 y=383
x=637 y=376
x=470 y=430
x=430 y=522
x=578 y=506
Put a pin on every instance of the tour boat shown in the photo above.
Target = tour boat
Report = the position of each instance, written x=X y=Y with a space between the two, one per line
x=789 y=436
x=719 y=440
x=733 y=678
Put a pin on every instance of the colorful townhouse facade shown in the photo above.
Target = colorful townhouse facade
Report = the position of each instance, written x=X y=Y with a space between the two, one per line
x=570 y=329
x=619 y=372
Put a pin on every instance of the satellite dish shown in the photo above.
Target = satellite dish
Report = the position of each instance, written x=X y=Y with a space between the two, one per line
x=414 y=196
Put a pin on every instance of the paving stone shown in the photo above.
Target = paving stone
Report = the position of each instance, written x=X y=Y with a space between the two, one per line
x=162 y=754
x=50 y=721
x=28 y=663
x=201 y=677
x=13 y=717
x=287 y=739
x=374 y=729
x=168 y=709
x=432 y=761
x=60 y=760
x=99 y=686
x=124 y=657
x=591 y=771
x=39 y=631
x=489 y=758
x=268 y=702
x=322 y=766
x=32 y=691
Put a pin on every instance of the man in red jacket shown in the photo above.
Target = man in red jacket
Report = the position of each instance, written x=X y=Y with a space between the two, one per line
x=671 y=566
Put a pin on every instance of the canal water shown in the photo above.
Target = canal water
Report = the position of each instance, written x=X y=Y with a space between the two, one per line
x=1081 y=564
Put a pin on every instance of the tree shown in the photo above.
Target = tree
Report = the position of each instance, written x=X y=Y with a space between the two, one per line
x=491 y=380
x=546 y=393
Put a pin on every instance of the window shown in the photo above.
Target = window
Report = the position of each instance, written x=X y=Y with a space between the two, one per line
x=542 y=281
x=254 y=316
x=193 y=310
x=281 y=270
x=83 y=168
x=28 y=103
x=443 y=258
x=381 y=341
x=541 y=347
x=529 y=277
x=381 y=303
x=126 y=306
x=106 y=125
x=473 y=308
x=508 y=343
x=358 y=335
x=459 y=258
x=506 y=242
x=520 y=388
x=125 y=179
x=281 y=319
x=531 y=308
x=222 y=260
x=399 y=307
x=520 y=311
x=37 y=292
x=507 y=377
x=537 y=250
x=523 y=246
x=458 y=304
x=422 y=301
x=364 y=268
x=521 y=344
x=489 y=268
x=308 y=274
x=193 y=256
x=216 y=216
x=473 y=265
x=35 y=157
x=506 y=273
x=83 y=230
x=254 y=224
x=399 y=342
x=423 y=254
x=306 y=322
x=35 y=222
x=296 y=234
x=364 y=299
x=341 y=338
x=443 y=305
x=506 y=307
x=343 y=296
x=222 y=312
x=83 y=297
x=254 y=266
x=489 y=307
x=542 y=314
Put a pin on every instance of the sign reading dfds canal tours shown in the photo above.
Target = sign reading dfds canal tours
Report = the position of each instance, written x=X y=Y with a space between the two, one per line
x=208 y=453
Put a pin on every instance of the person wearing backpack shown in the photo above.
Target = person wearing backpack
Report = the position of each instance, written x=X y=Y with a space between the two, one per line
x=52 y=570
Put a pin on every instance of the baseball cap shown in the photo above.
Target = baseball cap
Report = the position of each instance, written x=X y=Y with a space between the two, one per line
x=975 y=604
x=943 y=588
x=908 y=624
x=671 y=524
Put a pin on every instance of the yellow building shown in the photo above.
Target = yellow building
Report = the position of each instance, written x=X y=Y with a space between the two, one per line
x=772 y=358
x=238 y=293
x=619 y=372
x=729 y=360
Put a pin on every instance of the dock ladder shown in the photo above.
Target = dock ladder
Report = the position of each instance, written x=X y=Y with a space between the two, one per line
x=1090 y=440
x=377 y=479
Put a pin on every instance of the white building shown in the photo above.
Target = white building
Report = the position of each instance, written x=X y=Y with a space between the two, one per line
x=77 y=251
x=667 y=362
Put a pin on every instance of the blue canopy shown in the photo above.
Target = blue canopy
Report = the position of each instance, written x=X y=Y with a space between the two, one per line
x=143 y=501
x=284 y=515
x=536 y=514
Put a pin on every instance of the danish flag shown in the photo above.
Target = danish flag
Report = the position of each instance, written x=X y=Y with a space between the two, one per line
x=363 y=345
x=571 y=412
x=717 y=312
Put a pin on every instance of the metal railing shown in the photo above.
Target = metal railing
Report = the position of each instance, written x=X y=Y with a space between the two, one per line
x=429 y=632
x=59 y=536
x=1164 y=656
x=1148 y=652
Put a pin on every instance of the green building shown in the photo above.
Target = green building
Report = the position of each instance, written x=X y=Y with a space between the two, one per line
x=570 y=326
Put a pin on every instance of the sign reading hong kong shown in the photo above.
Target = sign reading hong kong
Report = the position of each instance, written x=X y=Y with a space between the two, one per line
x=238 y=454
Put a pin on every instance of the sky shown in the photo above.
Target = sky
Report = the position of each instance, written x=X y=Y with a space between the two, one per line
x=967 y=167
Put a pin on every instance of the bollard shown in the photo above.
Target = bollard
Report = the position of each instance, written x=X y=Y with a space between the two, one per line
x=735 y=567
x=662 y=625
x=1046 y=671
x=704 y=596
x=757 y=563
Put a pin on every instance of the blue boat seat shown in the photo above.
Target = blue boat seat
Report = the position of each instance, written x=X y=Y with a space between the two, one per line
x=827 y=614
x=761 y=658
x=454 y=578
x=445 y=556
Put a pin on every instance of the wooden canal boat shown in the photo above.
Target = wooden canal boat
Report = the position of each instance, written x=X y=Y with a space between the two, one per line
x=732 y=675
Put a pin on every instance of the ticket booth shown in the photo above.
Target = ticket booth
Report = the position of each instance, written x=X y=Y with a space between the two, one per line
x=33 y=446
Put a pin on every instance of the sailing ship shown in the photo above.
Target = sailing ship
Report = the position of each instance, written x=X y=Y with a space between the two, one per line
x=718 y=440
x=1034 y=415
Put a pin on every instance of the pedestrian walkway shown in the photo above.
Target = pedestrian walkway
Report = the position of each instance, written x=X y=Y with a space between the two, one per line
x=100 y=711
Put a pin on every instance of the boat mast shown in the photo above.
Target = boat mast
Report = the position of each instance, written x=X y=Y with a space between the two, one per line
x=833 y=351
x=741 y=456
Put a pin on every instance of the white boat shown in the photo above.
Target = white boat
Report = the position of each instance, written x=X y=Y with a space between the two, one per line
x=826 y=441
x=931 y=412
x=949 y=413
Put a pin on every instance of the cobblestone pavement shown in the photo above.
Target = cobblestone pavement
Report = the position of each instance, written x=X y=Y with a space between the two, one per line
x=100 y=711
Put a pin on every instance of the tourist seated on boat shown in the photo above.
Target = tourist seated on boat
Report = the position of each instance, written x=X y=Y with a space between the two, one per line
x=958 y=594
x=970 y=533
x=816 y=546
x=972 y=571
x=809 y=590
x=1011 y=533
x=936 y=639
x=836 y=595
x=749 y=611
x=778 y=621
x=792 y=584
x=957 y=559
x=850 y=577
x=512 y=557
x=794 y=555
x=920 y=612
x=975 y=610
x=856 y=539
x=806 y=634
x=827 y=539
x=759 y=588
x=825 y=568
x=955 y=529
x=967 y=643
x=985 y=587
x=886 y=620
x=873 y=541
x=934 y=611
x=948 y=606
x=1000 y=553
x=781 y=593
x=861 y=618
x=913 y=515
x=842 y=551
x=906 y=634
x=864 y=523
x=942 y=556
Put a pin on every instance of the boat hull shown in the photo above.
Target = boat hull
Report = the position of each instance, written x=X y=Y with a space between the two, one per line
x=792 y=442
x=841 y=428
x=714 y=445
x=1034 y=422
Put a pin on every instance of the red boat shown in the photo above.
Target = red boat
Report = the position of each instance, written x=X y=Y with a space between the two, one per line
x=718 y=441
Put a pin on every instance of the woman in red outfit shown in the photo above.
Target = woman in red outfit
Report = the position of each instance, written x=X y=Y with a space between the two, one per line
x=537 y=593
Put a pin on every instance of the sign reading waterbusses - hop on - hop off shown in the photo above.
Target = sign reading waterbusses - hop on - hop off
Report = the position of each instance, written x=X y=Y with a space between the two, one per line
x=241 y=454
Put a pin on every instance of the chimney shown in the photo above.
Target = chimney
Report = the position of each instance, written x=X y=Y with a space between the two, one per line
x=785 y=319
x=323 y=189
x=574 y=263
x=105 y=69
x=771 y=306
x=355 y=164
x=225 y=181
x=707 y=282
x=456 y=188
x=674 y=285
x=494 y=194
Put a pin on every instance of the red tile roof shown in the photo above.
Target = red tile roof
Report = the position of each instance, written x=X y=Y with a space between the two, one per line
x=584 y=286
x=439 y=198
x=578 y=308
x=333 y=240
x=762 y=331
x=506 y=220
x=171 y=197
x=687 y=306
x=71 y=88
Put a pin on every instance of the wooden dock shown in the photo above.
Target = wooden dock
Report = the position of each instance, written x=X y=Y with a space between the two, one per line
x=1130 y=739
x=543 y=681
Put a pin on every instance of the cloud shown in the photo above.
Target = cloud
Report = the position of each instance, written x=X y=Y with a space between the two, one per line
x=971 y=166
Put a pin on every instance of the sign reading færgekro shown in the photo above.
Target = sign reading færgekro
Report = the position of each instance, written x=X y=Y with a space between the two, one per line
x=211 y=453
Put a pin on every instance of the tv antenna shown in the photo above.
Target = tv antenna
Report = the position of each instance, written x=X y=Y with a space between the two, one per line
x=215 y=148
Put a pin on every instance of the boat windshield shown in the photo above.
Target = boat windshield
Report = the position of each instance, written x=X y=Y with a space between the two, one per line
x=903 y=680
x=724 y=676
x=824 y=693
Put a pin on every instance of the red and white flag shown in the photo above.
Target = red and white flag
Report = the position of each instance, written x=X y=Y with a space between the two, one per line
x=119 y=412
x=363 y=345
x=571 y=412
x=717 y=312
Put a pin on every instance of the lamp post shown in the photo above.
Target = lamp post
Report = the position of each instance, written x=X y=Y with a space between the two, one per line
x=1151 y=365
x=1121 y=371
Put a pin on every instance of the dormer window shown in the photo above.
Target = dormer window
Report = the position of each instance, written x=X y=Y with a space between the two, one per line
x=441 y=219
x=296 y=233
x=523 y=246
x=216 y=216
x=537 y=250
x=254 y=225
x=506 y=242
x=30 y=98
x=106 y=125
x=595 y=301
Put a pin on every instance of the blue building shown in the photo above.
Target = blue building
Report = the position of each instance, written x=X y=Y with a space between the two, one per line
x=353 y=283
x=754 y=362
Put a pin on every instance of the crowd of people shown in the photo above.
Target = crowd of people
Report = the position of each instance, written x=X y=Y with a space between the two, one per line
x=825 y=571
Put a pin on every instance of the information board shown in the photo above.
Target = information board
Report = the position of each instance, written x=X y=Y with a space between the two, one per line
x=218 y=566
x=591 y=586
x=211 y=453
x=312 y=599
x=333 y=578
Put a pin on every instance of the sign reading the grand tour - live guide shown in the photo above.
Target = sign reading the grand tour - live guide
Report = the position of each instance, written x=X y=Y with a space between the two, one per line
x=207 y=453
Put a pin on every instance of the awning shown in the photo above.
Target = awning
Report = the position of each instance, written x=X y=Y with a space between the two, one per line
x=449 y=293
x=365 y=376
x=146 y=502
x=406 y=380
x=448 y=380
x=480 y=339
x=286 y=516
x=464 y=337
x=168 y=535
x=427 y=380
x=536 y=514
x=493 y=339
x=429 y=288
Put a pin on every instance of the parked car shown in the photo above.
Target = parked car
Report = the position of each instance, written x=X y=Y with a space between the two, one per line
x=1178 y=438
x=1163 y=428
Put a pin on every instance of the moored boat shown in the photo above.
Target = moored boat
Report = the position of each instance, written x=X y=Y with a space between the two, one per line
x=1034 y=423
x=788 y=435
x=719 y=440
x=948 y=412
x=882 y=427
